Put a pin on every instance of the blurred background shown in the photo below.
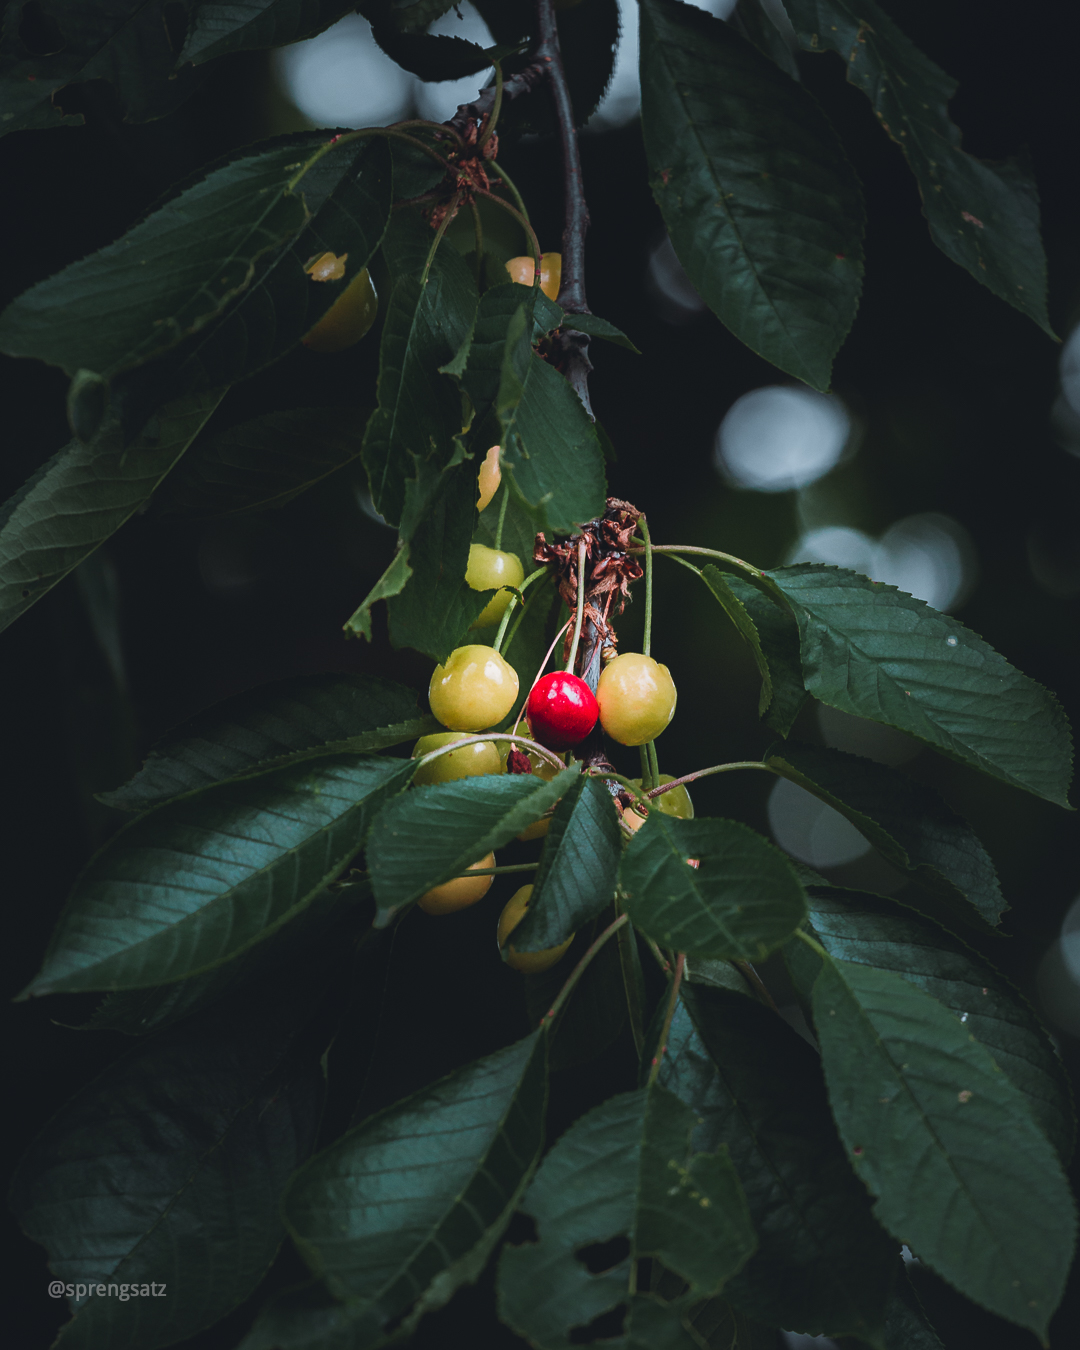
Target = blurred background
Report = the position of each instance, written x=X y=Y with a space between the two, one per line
x=946 y=461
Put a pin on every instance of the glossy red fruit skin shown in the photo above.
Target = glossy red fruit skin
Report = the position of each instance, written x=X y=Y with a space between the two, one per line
x=561 y=710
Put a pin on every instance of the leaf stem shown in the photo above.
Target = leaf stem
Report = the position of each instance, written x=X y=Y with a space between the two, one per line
x=676 y=981
x=579 y=970
x=705 y=773
x=642 y=546
x=522 y=610
x=647 y=641
x=752 y=978
x=580 y=604
x=812 y=943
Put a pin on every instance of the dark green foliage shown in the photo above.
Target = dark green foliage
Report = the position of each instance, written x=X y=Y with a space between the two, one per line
x=911 y=826
x=760 y=202
x=983 y=216
x=170 y=1168
x=218 y=27
x=922 y=1108
x=871 y=650
x=578 y=866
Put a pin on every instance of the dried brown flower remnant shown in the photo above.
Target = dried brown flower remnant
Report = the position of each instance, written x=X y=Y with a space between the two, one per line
x=467 y=174
x=609 y=570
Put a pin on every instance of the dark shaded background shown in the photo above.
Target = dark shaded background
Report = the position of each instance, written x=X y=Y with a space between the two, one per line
x=954 y=390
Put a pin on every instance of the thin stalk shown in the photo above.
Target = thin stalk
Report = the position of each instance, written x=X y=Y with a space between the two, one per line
x=752 y=978
x=478 y=237
x=646 y=768
x=515 y=599
x=502 y=517
x=495 y=111
x=534 y=746
x=705 y=773
x=451 y=212
x=661 y=959
x=647 y=643
x=639 y=546
x=498 y=871
x=654 y=765
x=812 y=943
x=676 y=981
x=519 y=200
x=540 y=672
x=580 y=604
x=523 y=221
x=579 y=970
x=633 y=986
x=522 y=611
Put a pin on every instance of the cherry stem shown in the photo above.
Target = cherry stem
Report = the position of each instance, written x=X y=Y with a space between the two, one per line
x=646 y=768
x=580 y=604
x=515 y=597
x=680 y=966
x=451 y=212
x=497 y=871
x=705 y=773
x=478 y=237
x=534 y=746
x=502 y=517
x=654 y=765
x=518 y=199
x=496 y=109
x=579 y=970
x=523 y=608
x=647 y=641
x=539 y=673
x=523 y=221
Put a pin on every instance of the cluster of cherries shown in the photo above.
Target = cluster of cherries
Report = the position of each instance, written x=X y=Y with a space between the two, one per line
x=476 y=688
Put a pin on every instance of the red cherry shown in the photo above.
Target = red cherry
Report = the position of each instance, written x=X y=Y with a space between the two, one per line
x=561 y=710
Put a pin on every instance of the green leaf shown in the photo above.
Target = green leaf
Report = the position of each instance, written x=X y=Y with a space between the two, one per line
x=200 y=880
x=82 y=496
x=762 y=206
x=266 y=462
x=823 y=1265
x=742 y=902
x=330 y=918
x=218 y=27
x=391 y=583
x=578 y=868
x=399 y=32
x=435 y=609
x=600 y=328
x=550 y=446
x=874 y=932
x=624 y=1169
x=126 y=44
x=407 y=1206
x=169 y=1168
x=945 y=1142
x=431 y=834
x=167 y=277
x=591 y=1020
x=985 y=217
x=774 y=641
x=419 y=411
x=908 y=823
x=309 y=717
x=870 y=650
x=519 y=527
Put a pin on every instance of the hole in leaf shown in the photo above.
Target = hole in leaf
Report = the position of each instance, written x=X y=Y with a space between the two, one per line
x=608 y=1324
x=39 y=32
x=600 y=1256
x=521 y=1229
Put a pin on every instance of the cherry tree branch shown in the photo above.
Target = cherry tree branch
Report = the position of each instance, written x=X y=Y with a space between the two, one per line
x=513 y=87
x=572 y=347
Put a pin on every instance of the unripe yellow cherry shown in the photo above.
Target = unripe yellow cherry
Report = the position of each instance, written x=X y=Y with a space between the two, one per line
x=490 y=567
x=474 y=688
x=478 y=757
x=489 y=478
x=674 y=803
x=459 y=893
x=637 y=698
x=348 y=318
x=522 y=270
x=530 y=963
